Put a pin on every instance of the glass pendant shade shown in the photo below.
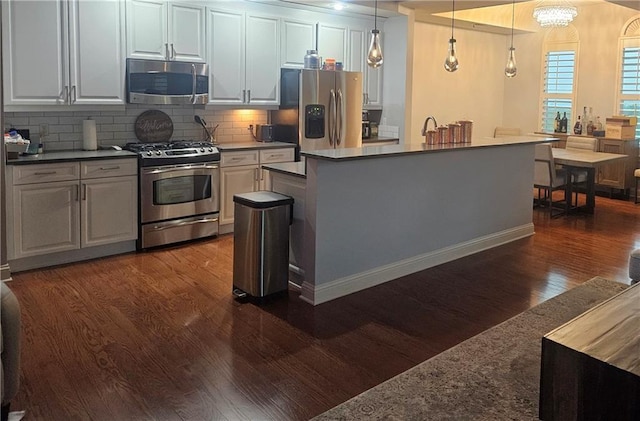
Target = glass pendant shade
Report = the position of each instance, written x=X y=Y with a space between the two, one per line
x=451 y=63
x=510 y=69
x=374 y=57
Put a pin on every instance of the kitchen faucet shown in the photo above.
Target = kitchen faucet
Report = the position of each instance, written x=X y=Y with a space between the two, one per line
x=426 y=122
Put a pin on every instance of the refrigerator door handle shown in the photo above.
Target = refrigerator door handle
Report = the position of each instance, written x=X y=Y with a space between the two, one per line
x=339 y=118
x=332 y=117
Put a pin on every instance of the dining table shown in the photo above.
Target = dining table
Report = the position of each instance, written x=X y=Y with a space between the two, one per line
x=574 y=160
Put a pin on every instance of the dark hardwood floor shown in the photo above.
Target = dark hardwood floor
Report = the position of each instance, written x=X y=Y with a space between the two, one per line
x=158 y=336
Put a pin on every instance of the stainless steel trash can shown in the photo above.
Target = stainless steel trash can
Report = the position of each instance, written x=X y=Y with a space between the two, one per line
x=261 y=243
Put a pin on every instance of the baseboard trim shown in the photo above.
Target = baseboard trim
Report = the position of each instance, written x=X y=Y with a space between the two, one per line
x=340 y=287
x=72 y=256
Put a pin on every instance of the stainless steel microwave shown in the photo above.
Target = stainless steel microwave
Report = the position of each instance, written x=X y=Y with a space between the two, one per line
x=167 y=82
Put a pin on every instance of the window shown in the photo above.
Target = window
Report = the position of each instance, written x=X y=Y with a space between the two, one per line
x=557 y=96
x=629 y=92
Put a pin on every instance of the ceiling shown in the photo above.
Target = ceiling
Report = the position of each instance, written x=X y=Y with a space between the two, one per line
x=480 y=15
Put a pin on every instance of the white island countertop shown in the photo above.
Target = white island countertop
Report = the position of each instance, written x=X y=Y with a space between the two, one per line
x=391 y=150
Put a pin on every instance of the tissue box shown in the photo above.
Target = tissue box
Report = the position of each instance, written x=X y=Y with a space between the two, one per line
x=620 y=132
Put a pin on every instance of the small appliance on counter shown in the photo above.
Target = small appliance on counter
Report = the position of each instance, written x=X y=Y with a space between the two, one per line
x=265 y=132
x=366 y=125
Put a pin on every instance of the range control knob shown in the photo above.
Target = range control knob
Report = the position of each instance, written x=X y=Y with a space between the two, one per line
x=149 y=153
x=210 y=149
x=201 y=149
x=158 y=153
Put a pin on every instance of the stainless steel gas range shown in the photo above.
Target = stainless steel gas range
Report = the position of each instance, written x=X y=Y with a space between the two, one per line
x=179 y=191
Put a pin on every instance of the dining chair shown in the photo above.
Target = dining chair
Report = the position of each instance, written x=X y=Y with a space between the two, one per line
x=506 y=131
x=579 y=177
x=547 y=178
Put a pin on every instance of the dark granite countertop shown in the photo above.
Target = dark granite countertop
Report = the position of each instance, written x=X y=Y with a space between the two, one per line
x=239 y=146
x=70 y=156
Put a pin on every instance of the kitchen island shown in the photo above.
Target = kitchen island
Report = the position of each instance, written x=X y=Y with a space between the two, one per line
x=375 y=214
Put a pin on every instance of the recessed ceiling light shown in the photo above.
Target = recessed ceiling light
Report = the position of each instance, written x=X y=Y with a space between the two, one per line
x=338 y=6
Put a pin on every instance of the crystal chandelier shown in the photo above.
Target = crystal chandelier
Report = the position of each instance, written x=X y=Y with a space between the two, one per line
x=552 y=16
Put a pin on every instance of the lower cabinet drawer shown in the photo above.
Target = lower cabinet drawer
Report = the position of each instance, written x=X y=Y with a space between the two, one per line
x=45 y=173
x=109 y=168
x=269 y=156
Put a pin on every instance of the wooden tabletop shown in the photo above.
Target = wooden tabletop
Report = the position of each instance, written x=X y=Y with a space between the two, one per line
x=609 y=332
x=584 y=158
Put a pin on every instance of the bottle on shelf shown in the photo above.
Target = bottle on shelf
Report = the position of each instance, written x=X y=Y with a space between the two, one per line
x=556 y=123
x=598 y=124
x=577 y=128
x=564 y=123
x=590 y=127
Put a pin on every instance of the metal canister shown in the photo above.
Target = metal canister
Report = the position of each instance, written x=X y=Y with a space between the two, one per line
x=455 y=133
x=312 y=60
x=443 y=134
x=467 y=127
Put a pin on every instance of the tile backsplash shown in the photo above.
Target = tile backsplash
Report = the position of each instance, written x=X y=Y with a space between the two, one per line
x=117 y=127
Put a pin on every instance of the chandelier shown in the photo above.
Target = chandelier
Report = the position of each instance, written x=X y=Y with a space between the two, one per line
x=550 y=16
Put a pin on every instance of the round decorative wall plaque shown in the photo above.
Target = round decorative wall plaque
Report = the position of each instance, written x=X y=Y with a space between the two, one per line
x=153 y=126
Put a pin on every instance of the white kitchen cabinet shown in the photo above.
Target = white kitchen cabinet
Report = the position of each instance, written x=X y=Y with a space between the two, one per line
x=162 y=30
x=68 y=206
x=109 y=210
x=240 y=172
x=109 y=201
x=332 y=42
x=63 y=52
x=46 y=219
x=244 y=58
x=359 y=39
x=297 y=37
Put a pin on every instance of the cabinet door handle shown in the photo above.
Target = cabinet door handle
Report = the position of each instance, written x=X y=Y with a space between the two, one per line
x=117 y=167
x=73 y=95
x=45 y=173
x=244 y=96
x=238 y=158
x=76 y=193
x=64 y=94
x=257 y=174
x=173 y=52
x=84 y=192
x=166 y=51
x=249 y=96
x=276 y=155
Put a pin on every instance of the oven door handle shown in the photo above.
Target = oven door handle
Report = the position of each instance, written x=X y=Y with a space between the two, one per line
x=182 y=224
x=187 y=167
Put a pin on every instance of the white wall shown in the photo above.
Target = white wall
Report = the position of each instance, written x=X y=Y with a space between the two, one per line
x=473 y=92
x=395 y=73
x=599 y=27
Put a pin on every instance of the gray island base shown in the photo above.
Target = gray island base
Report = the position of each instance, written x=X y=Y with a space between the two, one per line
x=366 y=216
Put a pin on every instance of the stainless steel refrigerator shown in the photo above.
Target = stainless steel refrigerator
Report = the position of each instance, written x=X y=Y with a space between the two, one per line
x=320 y=109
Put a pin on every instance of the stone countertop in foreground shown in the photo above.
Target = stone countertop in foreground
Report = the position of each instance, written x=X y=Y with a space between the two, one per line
x=394 y=150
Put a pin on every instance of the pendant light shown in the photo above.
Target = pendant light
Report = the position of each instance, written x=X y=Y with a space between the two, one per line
x=510 y=69
x=374 y=57
x=451 y=63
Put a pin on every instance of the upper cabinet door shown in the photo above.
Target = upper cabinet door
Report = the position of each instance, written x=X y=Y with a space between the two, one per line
x=226 y=57
x=186 y=32
x=332 y=42
x=96 y=40
x=262 y=60
x=34 y=46
x=147 y=29
x=297 y=38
